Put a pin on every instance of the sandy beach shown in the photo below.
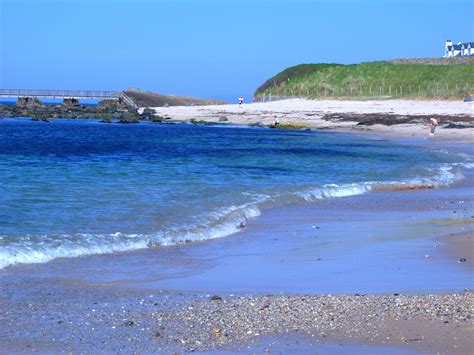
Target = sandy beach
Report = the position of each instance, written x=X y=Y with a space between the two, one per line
x=341 y=115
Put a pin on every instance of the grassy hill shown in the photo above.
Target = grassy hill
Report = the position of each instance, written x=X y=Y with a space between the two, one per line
x=372 y=79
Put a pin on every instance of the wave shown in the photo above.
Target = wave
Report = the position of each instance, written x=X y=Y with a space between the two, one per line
x=217 y=224
x=44 y=248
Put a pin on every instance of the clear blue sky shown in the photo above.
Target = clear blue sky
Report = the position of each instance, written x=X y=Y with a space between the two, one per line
x=211 y=48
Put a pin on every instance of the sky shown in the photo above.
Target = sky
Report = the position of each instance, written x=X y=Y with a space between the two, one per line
x=211 y=48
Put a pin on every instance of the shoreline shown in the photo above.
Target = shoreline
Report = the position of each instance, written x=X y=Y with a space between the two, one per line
x=82 y=305
x=397 y=118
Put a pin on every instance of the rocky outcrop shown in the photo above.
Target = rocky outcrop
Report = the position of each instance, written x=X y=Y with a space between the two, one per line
x=112 y=106
x=151 y=99
x=109 y=111
x=29 y=102
x=69 y=103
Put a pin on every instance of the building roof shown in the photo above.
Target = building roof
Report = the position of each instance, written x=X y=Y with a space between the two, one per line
x=460 y=46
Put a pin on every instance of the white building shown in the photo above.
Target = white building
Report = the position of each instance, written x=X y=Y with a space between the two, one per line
x=460 y=49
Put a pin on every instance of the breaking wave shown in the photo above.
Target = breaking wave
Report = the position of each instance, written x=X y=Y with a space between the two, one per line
x=216 y=224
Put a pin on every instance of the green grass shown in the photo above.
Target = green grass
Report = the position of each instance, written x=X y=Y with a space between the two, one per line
x=374 y=79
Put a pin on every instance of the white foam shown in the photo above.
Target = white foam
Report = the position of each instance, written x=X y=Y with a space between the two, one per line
x=333 y=191
x=41 y=249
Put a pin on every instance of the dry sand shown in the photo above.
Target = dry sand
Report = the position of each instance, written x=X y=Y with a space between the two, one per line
x=311 y=114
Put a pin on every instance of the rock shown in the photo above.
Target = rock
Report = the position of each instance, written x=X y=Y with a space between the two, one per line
x=148 y=113
x=111 y=106
x=223 y=119
x=129 y=120
x=156 y=334
x=462 y=260
x=29 y=102
x=216 y=298
x=69 y=103
x=130 y=323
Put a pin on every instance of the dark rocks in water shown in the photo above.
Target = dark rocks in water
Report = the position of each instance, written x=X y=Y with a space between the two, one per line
x=29 y=102
x=129 y=120
x=207 y=123
x=42 y=118
x=462 y=260
x=157 y=119
x=70 y=103
x=130 y=323
x=149 y=114
x=216 y=298
x=111 y=106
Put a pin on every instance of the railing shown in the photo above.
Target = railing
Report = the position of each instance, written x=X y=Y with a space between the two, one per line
x=125 y=98
x=61 y=94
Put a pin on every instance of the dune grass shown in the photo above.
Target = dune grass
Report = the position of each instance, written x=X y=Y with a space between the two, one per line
x=374 y=79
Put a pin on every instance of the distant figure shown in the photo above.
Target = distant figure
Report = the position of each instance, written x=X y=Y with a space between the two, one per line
x=277 y=122
x=433 y=123
x=241 y=99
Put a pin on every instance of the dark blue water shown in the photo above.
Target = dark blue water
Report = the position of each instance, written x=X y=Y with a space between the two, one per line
x=72 y=188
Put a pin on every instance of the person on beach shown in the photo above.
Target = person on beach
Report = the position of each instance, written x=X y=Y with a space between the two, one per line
x=241 y=99
x=433 y=123
x=277 y=122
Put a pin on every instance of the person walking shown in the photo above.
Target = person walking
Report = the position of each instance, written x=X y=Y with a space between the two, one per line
x=433 y=123
x=241 y=100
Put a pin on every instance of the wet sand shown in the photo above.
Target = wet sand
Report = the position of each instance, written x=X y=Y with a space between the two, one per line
x=378 y=272
x=461 y=244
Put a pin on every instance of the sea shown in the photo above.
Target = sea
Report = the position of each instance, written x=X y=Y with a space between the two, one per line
x=79 y=187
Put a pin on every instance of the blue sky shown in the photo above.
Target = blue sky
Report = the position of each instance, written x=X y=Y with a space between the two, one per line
x=210 y=48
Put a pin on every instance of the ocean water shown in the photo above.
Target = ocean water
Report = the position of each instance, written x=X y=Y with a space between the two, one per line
x=73 y=188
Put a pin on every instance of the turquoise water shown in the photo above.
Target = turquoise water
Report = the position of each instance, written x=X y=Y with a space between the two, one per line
x=74 y=188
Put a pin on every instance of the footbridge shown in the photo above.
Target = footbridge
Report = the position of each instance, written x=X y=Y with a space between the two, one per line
x=69 y=95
